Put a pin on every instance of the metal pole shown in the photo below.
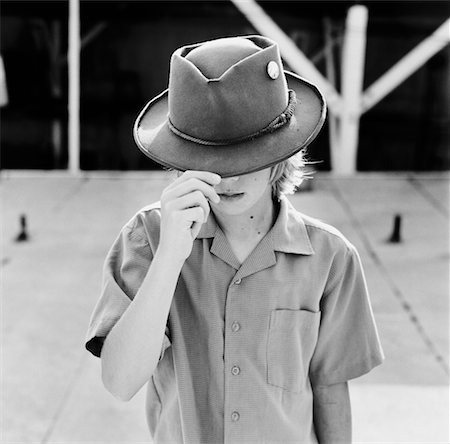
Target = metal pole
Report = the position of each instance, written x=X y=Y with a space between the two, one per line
x=74 y=86
x=344 y=161
x=289 y=50
x=3 y=89
x=56 y=90
x=406 y=66
x=331 y=75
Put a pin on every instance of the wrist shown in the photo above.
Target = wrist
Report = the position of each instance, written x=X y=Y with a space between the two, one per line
x=168 y=258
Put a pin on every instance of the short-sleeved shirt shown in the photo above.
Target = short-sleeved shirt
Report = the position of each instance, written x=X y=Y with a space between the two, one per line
x=245 y=342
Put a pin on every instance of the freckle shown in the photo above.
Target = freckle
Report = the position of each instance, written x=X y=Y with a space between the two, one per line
x=259 y=232
x=251 y=217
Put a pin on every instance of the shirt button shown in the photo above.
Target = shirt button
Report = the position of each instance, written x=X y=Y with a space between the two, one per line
x=235 y=370
x=235 y=326
x=235 y=416
x=238 y=281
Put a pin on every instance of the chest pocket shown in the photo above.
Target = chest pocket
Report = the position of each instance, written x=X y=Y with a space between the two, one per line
x=291 y=342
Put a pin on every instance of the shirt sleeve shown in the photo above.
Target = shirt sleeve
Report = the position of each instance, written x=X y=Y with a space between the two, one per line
x=348 y=345
x=124 y=269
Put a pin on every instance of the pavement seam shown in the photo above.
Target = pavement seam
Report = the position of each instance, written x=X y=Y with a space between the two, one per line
x=418 y=186
x=81 y=182
x=64 y=400
x=406 y=306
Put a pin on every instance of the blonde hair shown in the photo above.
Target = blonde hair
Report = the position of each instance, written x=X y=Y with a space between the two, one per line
x=287 y=176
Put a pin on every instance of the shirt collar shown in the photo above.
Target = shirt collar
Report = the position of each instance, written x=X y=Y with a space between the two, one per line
x=209 y=228
x=289 y=233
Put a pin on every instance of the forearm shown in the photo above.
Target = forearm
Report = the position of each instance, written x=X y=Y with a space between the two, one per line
x=332 y=414
x=132 y=349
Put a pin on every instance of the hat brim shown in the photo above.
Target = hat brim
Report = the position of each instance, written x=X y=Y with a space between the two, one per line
x=155 y=139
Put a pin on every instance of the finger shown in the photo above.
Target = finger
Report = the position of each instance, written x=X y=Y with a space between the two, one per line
x=193 y=215
x=195 y=218
x=192 y=184
x=196 y=215
x=205 y=176
x=196 y=227
x=194 y=199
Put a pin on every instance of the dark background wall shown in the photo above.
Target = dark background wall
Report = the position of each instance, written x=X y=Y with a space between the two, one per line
x=126 y=63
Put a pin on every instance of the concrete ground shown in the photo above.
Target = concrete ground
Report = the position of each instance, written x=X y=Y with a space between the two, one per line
x=51 y=387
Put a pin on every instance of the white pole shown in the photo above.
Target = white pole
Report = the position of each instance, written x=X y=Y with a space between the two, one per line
x=331 y=75
x=74 y=86
x=289 y=50
x=3 y=89
x=406 y=66
x=353 y=58
x=56 y=90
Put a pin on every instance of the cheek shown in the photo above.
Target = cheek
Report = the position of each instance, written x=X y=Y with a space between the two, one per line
x=262 y=181
x=257 y=182
x=259 y=187
x=261 y=177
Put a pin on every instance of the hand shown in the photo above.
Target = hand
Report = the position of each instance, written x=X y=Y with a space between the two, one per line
x=184 y=209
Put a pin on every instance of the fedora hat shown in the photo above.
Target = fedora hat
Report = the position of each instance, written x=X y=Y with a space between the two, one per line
x=230 y=108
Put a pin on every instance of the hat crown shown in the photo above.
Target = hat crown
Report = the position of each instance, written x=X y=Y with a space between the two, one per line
x=215 y=57
x=238 y=97
x=223 y=90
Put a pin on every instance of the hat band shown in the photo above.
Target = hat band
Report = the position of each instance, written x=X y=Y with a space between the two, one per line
x=276 y=123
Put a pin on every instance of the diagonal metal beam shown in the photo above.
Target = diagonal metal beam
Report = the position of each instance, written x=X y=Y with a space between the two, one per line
x=289 y=50
x=406 y=66
x=92 y=34
x=86 y=39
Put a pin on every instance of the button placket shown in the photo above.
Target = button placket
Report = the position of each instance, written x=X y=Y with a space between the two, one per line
x=232 y=358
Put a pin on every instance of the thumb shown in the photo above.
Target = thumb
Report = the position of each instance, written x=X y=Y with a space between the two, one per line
x=195 y=229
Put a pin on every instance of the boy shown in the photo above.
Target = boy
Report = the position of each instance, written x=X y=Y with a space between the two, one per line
x=245 y=317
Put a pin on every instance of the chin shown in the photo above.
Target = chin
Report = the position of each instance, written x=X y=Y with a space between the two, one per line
x=229 y=210
x=233 y=208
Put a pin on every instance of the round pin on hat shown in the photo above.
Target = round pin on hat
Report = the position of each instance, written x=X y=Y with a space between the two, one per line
x=273 y=70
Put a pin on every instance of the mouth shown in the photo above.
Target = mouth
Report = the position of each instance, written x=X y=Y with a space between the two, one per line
x=230 y=197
